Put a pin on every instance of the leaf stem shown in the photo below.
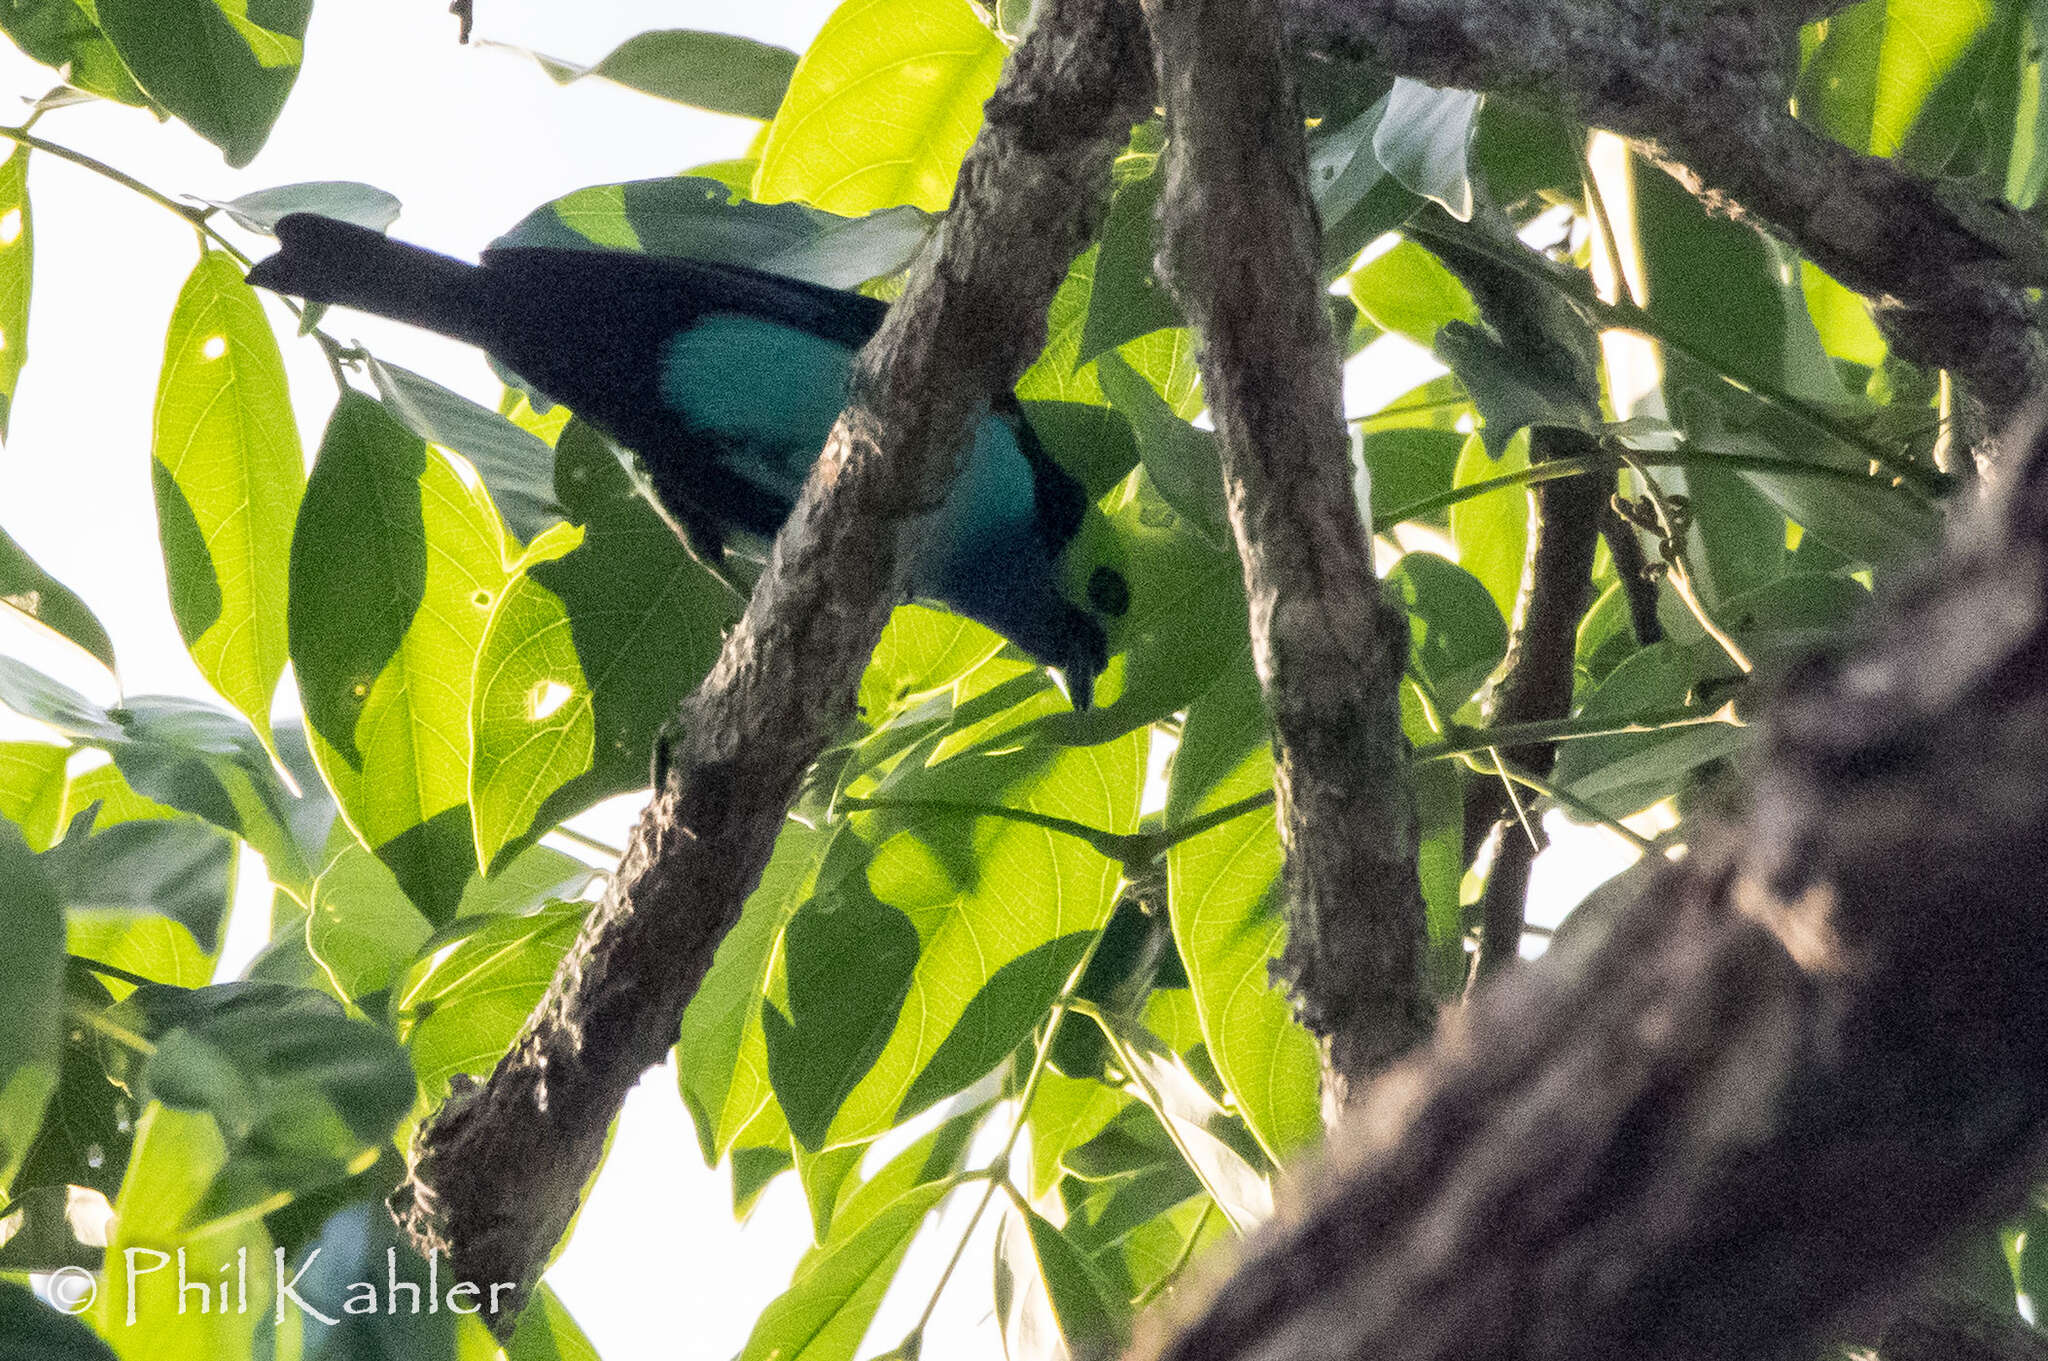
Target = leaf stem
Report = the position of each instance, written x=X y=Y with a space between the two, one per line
x=1463 y=740
x=194 y=215
x=1623 y=314
x=1156 y=1103
x=1115 y=845
x=1187 y=1251
x=998 y=1172
x=110 y=971
x=1552 y=469
x=1578 y=805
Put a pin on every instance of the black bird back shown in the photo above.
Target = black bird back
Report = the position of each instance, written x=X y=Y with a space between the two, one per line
x=588 y=328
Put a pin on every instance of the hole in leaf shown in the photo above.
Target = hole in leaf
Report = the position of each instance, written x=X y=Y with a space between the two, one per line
x=545 y=699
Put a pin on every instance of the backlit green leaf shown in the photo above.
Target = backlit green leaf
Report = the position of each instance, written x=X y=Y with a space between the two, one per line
x=385 y=634
x=722 y=1057
x=178 y=1155
x=882 y=107
x=228 y=480
x=460 y=1007
x=586 y=655
x=17 y=264
x=1002 y=911
x=1224 y=889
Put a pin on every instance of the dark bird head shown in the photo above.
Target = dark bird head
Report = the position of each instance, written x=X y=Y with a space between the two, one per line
x=1094 y=587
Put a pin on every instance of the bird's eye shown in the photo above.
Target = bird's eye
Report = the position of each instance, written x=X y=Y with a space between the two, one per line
x=1108 y=592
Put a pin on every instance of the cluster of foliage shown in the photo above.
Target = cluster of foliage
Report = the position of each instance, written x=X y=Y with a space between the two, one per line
x=975 y=916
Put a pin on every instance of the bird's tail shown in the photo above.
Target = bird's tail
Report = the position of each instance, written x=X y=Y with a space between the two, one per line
x=321 y=259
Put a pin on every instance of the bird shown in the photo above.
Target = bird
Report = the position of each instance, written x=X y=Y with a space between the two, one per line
x=724 y=382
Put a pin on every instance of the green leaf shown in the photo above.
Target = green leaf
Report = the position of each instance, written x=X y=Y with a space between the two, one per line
x=385 y=634
x=1406 y=465
x=837 y=1289
x=694 y=217
x=848 y=960
x=1182 y=461
x=178 y=1156
x=826 y=1177
x=1510 y=395
x=922 y=651
x=721 y=1057
x=299 y=1091
x=546 y=1332
x=182 y=869
x=32 y=694
x=1492 y=529
x=459 y=1008
x=1521 y=150
x=31 y=997
x=1880 y=67
x=345 y=200
x=32 y=788
x=1881 y=525
x=89 y=1126
x=202 y=760
x=586 y=656
x=1065 y=1114
x=1215 y=1146
x=517 y=466
x=1720 y=289
x=882 y=107
x=1127 y=300
x=1186 y=620
x=1342 y=169
x=1738 y=536
x=1425 y=141
x=1223 y=886
x=160 y=949
x=1623 y=774
x=34 y=1329
x=49 y=1227
x=1457 y=635
x=228 y=477
x=1003 y=912
x=1440 y=820
x=64 y=34
x=1093 y=1318
x=531 y=878
x=221 y=69
x=360 y=1243
x=722 y=72
x=28 y=589
x=17 y=267
x=362 y=928
x=1407 y=290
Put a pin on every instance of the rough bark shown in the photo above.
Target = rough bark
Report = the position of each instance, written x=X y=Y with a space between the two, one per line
x=1702 y=89
x=498 y=1172
x=1756 y=1085
x=1242 y=253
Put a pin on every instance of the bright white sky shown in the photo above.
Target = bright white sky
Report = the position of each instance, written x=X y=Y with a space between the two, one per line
x=469 y=139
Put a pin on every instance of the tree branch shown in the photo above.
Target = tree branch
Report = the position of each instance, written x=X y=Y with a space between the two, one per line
x=498 y=1172
x=1701 y=88
x=1555 y=350
x=1242 y=253
x=1751 y=1088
